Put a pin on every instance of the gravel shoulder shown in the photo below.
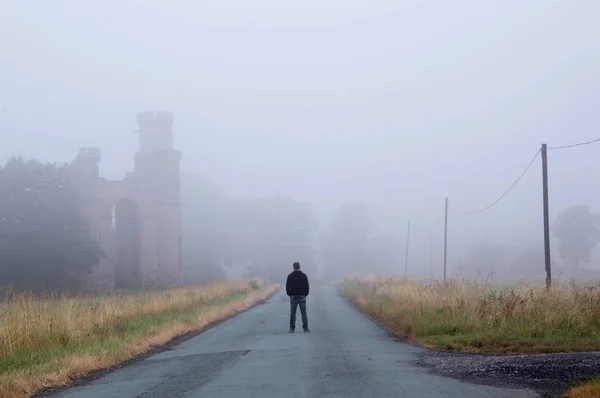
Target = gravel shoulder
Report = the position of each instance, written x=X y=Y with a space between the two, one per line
x=549 y=374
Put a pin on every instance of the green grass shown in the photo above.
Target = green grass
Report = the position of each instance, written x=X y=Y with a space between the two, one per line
x=46 y=342
x=477 y=317
x=115 y=340
x=473 y=316
x=589 y=389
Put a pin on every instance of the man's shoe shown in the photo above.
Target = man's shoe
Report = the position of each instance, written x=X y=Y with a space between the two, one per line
x=306 y=330
x=291 y=330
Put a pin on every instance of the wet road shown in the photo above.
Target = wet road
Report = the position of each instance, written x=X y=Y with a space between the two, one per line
x=253 y=355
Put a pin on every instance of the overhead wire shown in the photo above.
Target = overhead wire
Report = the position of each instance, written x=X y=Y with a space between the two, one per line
x=575 y=145
x=523 y=174
x=509 y=189
x=527 y=168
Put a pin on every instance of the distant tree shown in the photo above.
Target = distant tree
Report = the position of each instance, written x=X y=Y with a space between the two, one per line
x=578 y=233
x=346 y=248
x=529 y=263
x=385 y=252
x=243 y=237
x=486 y=257
x=262 y=236
x=45 y=243
x=283 y=231
x=203 y=235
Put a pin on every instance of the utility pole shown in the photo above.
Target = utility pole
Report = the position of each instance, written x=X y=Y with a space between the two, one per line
x=406 y=257
x=430 y=255
x=445 y=239
x=546 y=215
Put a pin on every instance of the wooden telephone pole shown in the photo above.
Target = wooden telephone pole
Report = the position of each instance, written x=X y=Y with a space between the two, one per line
x=430 y=255
x=445 y=239
x=546 y=215
x=406 y=256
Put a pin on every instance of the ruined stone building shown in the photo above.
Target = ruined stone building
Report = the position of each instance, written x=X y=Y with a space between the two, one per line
x=137 y=220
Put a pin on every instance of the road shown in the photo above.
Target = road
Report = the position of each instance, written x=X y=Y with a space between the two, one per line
x=253 y=355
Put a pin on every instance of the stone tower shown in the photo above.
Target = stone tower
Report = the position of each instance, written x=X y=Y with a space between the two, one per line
x=157 y=168
x=137 y=220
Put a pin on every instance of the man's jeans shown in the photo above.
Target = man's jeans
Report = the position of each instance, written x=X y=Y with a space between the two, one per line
x=294 y=302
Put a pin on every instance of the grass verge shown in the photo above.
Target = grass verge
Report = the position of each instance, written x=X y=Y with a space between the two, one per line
x=47 y=342
x=590 y=389
x=473 y=316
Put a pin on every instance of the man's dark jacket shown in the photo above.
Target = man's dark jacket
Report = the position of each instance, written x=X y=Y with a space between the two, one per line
x=297 y=284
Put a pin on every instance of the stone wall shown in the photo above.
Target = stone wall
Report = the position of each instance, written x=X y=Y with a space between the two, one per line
x=150 y=246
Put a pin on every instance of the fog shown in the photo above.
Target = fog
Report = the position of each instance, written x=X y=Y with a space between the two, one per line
x=393 y=103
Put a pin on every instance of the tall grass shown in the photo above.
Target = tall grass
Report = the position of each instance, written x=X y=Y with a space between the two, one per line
x=591 y=389
x=472 y=315
x=45 y=341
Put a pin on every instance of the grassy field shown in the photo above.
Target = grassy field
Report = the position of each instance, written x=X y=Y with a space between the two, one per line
x=473 y=316
x=588 y=390
x=45 y=342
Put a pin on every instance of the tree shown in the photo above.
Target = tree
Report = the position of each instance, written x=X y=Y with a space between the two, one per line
x=486 y=257
x=44 y=241
x=578 y=232
x=386 y=254
x=202 y=205
x=282 y=232
x=529 y=263
x=345 y=249
x=263 y=236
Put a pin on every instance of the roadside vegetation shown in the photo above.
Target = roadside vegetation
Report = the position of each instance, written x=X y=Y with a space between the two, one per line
x=47 y=341
x=472 y=315
x=591 y=389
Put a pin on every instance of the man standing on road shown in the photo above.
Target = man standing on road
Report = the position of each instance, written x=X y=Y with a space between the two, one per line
x=297 y=289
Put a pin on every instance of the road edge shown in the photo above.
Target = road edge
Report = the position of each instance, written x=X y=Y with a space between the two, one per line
x=83 y=380
x=433 y=352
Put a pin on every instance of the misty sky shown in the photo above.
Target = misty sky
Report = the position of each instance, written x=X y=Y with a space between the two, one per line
x=397 y=103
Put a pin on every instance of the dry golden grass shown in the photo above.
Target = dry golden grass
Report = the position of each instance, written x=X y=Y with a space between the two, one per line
x=588 y=390
x=45 y=342
x=471 y=315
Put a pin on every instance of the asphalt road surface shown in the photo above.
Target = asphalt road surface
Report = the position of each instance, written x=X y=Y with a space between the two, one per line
x=253 y=355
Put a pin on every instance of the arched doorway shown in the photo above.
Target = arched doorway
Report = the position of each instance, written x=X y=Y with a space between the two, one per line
x=126 y=224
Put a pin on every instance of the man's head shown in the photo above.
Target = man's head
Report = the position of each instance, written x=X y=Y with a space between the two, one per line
x=296 y=266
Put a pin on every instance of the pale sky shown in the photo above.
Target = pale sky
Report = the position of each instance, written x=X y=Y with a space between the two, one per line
x=395 y=103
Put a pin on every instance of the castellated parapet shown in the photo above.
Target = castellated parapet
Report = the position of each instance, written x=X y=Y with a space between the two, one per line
x=87 y=163
x=155 y=116
x=155 y=130
x=136 y=220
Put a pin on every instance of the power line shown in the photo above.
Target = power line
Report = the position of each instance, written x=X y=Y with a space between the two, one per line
x=525 y=171
x=574 y=145
x=509 y=189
